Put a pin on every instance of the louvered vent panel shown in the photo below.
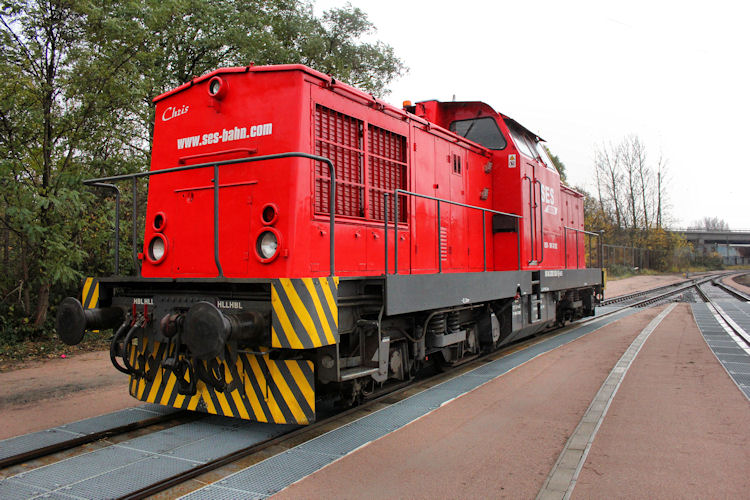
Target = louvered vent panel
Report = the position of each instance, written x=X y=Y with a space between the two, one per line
x=386 y=171
x=339 y=137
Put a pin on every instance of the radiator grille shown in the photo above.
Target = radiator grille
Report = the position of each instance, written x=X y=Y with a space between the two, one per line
x=386 y=171
x=342 y=139
x=339 y=137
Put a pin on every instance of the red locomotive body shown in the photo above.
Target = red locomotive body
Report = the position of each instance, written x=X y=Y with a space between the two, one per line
x=450 y=233
x=376 y=148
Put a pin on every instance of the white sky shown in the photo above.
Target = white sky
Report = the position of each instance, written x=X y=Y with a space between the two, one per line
x=584 y=73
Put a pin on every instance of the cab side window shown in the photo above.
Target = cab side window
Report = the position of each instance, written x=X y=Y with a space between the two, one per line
x=523 y=146
x=483 y=131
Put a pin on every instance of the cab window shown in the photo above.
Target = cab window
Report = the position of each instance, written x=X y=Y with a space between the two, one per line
x=521 y=143
x=483 y=131
x=545 y=158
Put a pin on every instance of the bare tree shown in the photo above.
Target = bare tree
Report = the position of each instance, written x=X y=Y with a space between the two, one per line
x=661 y=167
x=644 y=177
x=710 y=224
x=630 y=150
x=607 y=164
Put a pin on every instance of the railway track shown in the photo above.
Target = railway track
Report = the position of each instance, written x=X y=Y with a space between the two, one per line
x=657 y=295
x=710 y=297
x=252 y=440
x=22 y=449
x=733 y=292
x=634 y=299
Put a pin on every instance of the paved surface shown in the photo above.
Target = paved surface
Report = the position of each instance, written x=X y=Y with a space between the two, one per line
x=623 y=286
x=734 y=282
x=55 y=392
x=675 y=428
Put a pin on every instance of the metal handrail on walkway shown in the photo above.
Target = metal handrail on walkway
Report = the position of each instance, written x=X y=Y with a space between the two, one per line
x=598 y=246
x=484 y=211
x=99 y=182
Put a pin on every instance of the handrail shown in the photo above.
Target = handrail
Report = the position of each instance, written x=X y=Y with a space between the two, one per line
x=541 y=220
x=216 y=165
x=117 y=221
x=590 y=233
x=398 y=192
x=531 y=216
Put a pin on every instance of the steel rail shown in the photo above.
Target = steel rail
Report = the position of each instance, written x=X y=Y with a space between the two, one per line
x=628 y=296
x=732 y=291
x=739 y=332
x=682 y=287
x=89 y=438
x=257 y=447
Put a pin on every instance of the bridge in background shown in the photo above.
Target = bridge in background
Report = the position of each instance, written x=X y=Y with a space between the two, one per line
x=733 y=246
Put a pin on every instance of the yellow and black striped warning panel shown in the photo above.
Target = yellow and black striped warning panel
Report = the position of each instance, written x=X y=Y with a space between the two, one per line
x=304 y=313
x=90 y=294
x=243 y=385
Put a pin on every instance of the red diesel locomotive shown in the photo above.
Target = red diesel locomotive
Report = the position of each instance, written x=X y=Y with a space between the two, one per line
x=306 y=242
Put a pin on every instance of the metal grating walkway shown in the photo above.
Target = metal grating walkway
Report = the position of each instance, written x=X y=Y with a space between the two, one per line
x=56 y=435
x=120 y=469
x=733 y=356
x=276 y=473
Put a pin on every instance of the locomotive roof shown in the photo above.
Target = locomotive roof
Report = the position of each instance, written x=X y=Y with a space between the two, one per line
x=355 y=92
x=507 y=118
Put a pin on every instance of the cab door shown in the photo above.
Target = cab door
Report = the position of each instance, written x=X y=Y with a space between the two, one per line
x=442 y=190
x=458 y=244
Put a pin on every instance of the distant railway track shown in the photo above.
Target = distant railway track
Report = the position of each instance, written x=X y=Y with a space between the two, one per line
x=739 y=333
x=299 y=435
x=654 y=295
x=630 y=296
x=732 y=291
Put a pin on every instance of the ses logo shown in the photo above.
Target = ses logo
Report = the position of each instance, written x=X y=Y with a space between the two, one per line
x=174 y=112
x=548 y=197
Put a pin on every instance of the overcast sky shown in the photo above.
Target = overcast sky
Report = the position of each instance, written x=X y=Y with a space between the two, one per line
x=582 y=74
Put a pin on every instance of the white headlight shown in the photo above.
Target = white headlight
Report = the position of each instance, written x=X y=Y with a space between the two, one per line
x=156 y=249
x=214 y=87
x=267 y=244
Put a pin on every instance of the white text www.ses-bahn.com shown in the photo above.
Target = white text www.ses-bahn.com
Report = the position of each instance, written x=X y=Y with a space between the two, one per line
x=226 y=135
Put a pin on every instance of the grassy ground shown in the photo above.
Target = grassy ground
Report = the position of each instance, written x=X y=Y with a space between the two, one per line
x=14 y=354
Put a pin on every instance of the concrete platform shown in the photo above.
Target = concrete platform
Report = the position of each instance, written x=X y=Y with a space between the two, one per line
x=675 y=425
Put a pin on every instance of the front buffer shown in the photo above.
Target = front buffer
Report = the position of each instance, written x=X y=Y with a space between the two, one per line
x=245 y=351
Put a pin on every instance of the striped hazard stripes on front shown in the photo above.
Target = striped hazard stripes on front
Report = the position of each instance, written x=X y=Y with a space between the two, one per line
x=90 y=294
x=257 y=387
x=304 y=312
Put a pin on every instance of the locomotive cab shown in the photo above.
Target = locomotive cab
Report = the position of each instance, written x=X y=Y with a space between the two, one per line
x=525 y=181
